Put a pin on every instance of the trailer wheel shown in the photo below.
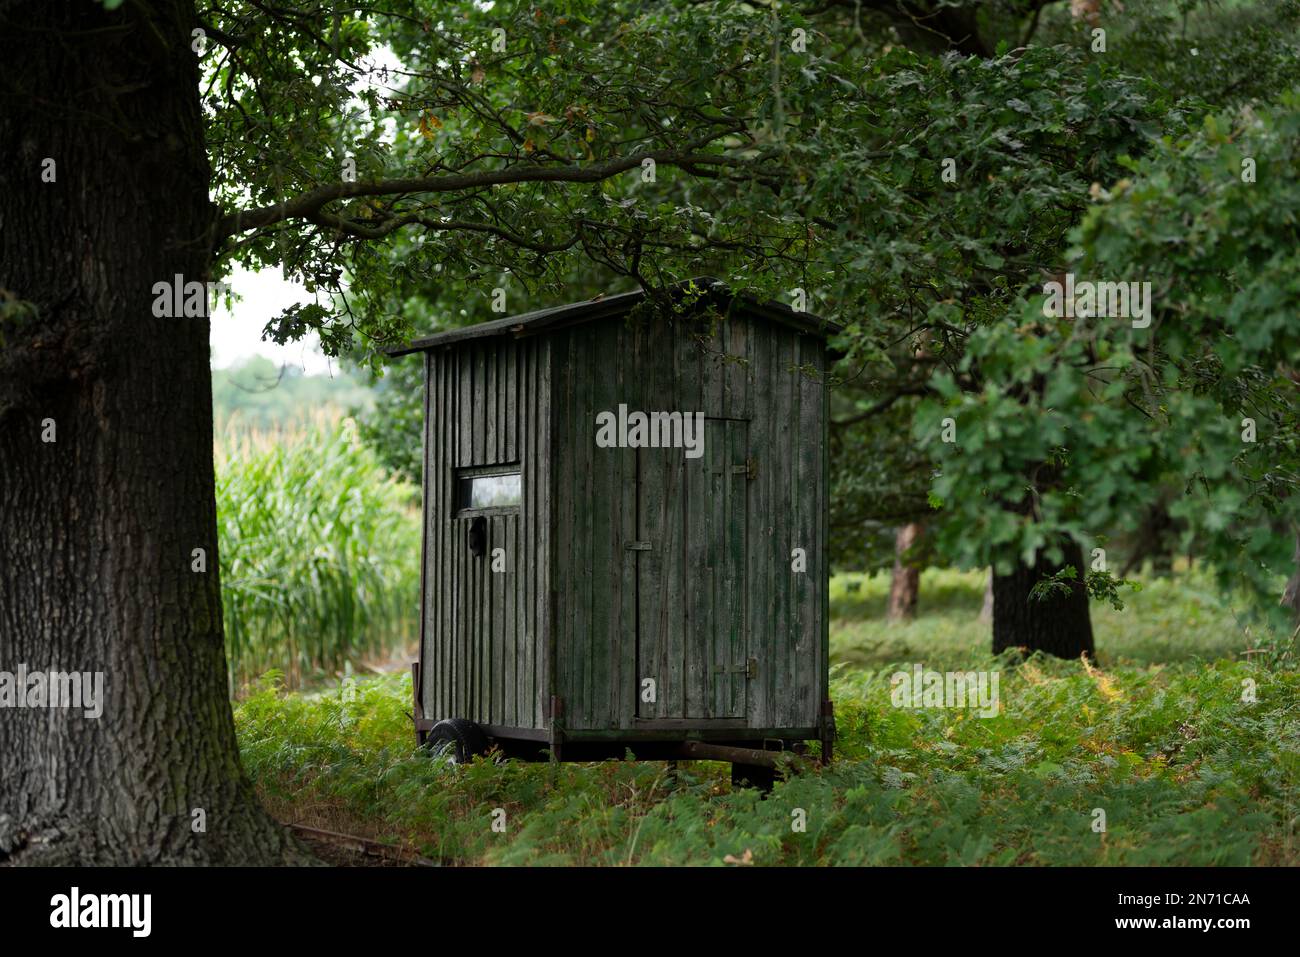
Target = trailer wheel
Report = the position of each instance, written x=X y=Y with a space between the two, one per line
x=753 y=776
x=458 y=739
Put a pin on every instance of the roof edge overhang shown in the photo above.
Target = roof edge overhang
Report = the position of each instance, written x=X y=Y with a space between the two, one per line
x=604 y=307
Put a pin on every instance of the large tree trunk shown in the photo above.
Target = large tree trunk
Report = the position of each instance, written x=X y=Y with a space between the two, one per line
x=1059 y=625
x=905 y=585
x=97 y=528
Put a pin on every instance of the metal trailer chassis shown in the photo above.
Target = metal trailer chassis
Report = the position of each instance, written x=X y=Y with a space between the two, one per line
x=756 y=765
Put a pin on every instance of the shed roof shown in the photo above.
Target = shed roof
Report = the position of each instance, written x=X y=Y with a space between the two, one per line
x=603 y=307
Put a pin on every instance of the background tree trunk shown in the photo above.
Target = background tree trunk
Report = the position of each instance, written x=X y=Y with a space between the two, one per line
x=1059 y=625
x=904 y=586
x=97 y=527
x=940 y=29
x=1291 y=595
x=986 y=612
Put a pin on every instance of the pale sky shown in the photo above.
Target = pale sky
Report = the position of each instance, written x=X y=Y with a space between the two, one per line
x=265 y=294
x=238 y=335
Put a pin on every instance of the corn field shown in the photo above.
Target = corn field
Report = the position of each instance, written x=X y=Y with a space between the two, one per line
x=319 y=551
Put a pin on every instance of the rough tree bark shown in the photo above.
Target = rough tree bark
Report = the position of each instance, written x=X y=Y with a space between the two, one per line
x=905 y=584
x=1059 y=625
x=97 y=527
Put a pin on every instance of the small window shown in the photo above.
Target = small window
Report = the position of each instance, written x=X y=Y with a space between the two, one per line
x=483 y=488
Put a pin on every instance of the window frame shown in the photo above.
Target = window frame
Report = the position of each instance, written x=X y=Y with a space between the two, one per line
x=462 y=480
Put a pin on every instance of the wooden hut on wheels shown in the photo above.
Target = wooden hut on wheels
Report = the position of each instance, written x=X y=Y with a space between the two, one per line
x=625 y=532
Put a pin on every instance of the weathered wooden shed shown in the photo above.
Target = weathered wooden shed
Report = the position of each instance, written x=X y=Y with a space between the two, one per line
x=590 y=588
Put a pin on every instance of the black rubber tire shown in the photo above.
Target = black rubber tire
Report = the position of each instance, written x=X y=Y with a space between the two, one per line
x=753 y=776
x=461 y=740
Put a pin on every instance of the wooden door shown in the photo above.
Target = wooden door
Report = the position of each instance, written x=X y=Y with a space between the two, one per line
x=691 y=576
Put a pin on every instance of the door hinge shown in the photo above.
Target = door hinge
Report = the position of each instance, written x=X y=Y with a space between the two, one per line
x=749 y=469
x=636 y=546
x=751 y=668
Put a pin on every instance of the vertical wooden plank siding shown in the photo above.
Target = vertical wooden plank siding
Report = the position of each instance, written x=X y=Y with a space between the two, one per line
x=626 y=685
x=542 y=431
x=486 y=405
x=621 y=615
x=427 y=439
x=786 y=504
x=584 y=503
x=563 y=495
x=579 y=613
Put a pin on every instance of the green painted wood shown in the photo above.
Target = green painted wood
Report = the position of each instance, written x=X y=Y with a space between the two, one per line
x=730 y=599
x=491 y=358
x=658 y=574
x=464 y=422
x=580 y=703
x=515 y=639
x=695 y=511
x=525 y=629
x=623 y=570
x=756 y=580
x=567 y=496
x=811 y=493
x=446 y=532
x=498 y=636
x=786 y=504
x=764 y=545
x=478 y=377
x=478 y=659
x=600 y=541
x=426 y=548
x=576 y=613
x=569 y=489
x=692 y=634
x=737 y=374
x=530 y=559
x=542 y=428
x=507 y=707
x=715 y=534
x=823 y=485
x=440 y=418
x=456 y=671
x=434 y=668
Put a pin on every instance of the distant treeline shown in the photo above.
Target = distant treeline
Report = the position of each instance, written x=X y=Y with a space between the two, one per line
x=259 y=394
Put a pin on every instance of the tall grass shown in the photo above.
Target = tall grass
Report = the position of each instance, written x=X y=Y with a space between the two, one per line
x=1187 y=773
x=319 y=551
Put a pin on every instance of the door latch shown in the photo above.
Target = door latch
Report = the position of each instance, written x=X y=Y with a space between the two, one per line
x=636 y=546
x=751 y=668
